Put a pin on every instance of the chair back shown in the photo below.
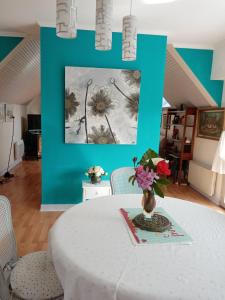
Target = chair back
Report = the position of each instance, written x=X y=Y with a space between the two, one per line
x=7 y=237
x=121 y=185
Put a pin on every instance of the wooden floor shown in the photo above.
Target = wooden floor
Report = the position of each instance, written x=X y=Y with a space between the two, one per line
x=24 y=192
x=32 y=226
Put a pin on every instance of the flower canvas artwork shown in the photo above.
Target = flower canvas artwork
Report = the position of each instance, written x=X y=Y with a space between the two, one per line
x=101 y=105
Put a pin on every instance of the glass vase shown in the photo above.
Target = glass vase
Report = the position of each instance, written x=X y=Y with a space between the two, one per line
x=95 y=179
x=148 y=204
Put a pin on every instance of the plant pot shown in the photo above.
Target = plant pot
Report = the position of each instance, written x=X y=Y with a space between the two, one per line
x=95 y=179
x=148 y=204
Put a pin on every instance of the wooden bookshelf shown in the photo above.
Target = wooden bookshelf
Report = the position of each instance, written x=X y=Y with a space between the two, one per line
x=179 y=149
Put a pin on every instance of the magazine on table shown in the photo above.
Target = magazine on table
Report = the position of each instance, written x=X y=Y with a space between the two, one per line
x=176 y=234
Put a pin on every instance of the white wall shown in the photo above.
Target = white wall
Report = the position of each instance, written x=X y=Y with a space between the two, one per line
x=218 y=66
x=223 y=98
x=19 y=112
x=34 y=106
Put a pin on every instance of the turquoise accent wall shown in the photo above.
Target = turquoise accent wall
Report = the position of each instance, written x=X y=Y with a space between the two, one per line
x=200 y=62
x=7 y=44
x=63 y=165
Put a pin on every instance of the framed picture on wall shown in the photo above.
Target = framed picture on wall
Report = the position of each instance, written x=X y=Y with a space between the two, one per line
x=210 y=123
x=101 y=105
x=9 y=112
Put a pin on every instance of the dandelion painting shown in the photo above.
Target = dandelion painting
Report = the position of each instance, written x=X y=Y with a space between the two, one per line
x=101 y=105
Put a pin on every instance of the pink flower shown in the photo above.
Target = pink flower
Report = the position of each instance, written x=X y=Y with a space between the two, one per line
x=145 y=178
x=139 y=169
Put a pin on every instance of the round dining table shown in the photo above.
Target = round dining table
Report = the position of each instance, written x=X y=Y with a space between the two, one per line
x=95 y=258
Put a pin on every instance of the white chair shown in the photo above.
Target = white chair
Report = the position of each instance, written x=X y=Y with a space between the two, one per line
x=31 y=276
x=120 y=182
x=4 y=290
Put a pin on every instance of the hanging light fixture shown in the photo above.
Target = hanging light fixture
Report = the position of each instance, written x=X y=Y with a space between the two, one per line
x=66 y=15
x=103 y=33
x=129 y=36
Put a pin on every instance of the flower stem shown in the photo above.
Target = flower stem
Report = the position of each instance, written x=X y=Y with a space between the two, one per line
x=113 y=81
x=107 y=120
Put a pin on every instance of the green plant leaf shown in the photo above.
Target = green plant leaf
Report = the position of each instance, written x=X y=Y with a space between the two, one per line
x=147 y=157
x=158 y=190
x=163 y=181
x=133 y=180
x=130 y=178
x=151 y=165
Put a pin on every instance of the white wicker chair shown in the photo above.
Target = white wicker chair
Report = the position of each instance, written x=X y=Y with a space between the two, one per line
x=4 y=290
x=31 y=276
x=120 y=182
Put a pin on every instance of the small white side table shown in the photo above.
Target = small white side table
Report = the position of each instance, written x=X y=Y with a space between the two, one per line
x=91 y=191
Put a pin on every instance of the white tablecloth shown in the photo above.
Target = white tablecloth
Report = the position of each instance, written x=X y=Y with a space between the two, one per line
x=96 y=260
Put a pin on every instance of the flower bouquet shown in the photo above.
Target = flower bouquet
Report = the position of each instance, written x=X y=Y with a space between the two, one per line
x=151 y=175
x=95 y=173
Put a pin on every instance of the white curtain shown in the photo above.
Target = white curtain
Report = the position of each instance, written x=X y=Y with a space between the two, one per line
x=218 y=165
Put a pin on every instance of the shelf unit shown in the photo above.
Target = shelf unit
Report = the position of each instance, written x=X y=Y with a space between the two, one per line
x=182 y=125
x=185 y=152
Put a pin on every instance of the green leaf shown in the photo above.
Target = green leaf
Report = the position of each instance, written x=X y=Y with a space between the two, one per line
x=163 y=181
x=147 y=157
x=151 y=165
x=130 y=178
x=133 y=180
x=154 y=154
x=158 y=190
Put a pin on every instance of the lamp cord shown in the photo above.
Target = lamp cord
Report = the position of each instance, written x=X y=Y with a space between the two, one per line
x=131 y=4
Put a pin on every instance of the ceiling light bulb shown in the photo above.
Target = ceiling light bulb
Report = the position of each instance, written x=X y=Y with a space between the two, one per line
x=157 y=1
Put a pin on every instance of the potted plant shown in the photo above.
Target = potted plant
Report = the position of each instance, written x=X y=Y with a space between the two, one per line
x=151 y=175
x=95 y=173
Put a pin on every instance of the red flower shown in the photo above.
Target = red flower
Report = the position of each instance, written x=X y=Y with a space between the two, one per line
x=162 y=168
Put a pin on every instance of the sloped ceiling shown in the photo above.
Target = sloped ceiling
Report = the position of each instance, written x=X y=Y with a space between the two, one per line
x=20 y=77
x=181 y=85
x=20 y=72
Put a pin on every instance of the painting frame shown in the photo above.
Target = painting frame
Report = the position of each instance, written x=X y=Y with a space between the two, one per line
x=101 y=105
x=210 y=123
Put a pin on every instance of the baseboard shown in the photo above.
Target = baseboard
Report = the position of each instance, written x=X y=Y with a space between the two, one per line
x=55 y=207
x=13 y=165
x=211 y=198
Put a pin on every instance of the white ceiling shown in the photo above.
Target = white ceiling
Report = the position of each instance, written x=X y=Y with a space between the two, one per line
x=188 y=23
